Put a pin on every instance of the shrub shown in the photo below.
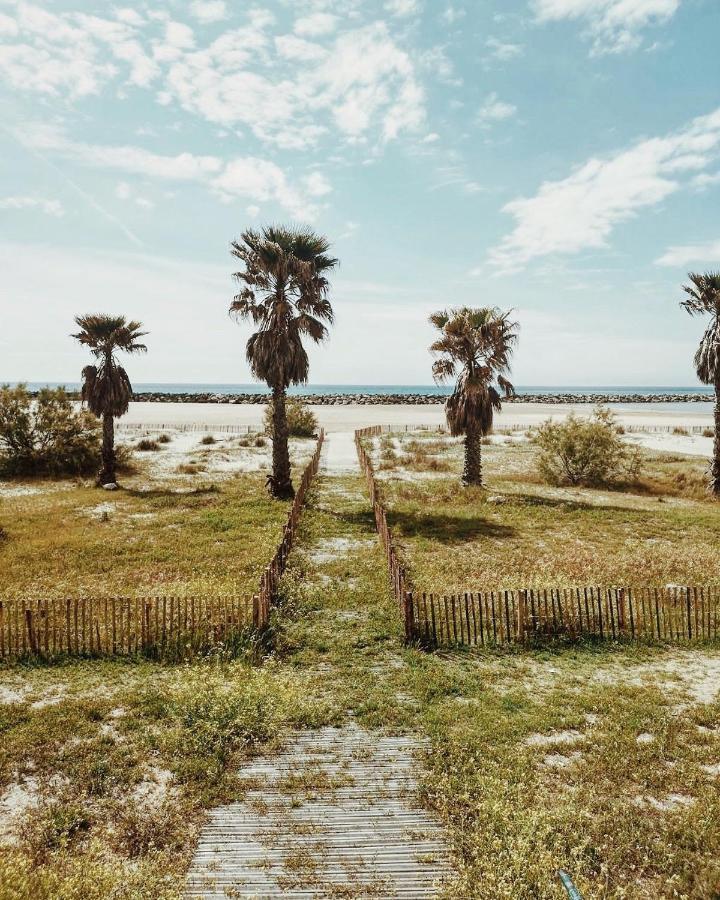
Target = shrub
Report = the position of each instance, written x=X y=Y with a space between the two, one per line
x=148 y=445
x=585 y=451
x=302 y=421
x=207 y=440
x=679 y=429
x=46 y=435
x=708 y=432
x=191 y=468
x=260 y=442
x=164 y=439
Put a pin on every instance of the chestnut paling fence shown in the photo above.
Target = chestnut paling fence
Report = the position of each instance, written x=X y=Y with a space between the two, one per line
x=488 y=618
x=155 y=626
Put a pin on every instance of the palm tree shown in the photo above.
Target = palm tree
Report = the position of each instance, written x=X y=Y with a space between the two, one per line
x=704 y=298
x=106 y=387
x=284 y=293
x=475 y=345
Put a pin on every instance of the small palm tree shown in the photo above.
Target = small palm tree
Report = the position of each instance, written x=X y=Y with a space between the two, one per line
x=106 y=387
x=704 y=299
x=284 y=293
x=475 y=345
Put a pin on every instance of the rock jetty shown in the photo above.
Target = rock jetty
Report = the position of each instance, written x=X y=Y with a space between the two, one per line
x=417 y=399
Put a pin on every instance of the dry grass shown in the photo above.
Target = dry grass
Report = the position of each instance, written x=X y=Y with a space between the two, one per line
x=182 y=532
x=519 y=532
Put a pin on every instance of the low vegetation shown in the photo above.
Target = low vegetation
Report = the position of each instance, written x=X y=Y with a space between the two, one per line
x=45 y=435
x=586 y=451
x=301 y=421
x=110 y=765
x=521 y=533
x=160 y=535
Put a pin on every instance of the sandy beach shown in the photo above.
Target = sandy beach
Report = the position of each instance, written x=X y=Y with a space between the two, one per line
x=344 y=419
x=353 y=415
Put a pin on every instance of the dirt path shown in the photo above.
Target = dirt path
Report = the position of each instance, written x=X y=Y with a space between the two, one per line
x=338 y=812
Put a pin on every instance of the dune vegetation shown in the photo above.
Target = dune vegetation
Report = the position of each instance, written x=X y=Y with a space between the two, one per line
x=656 y=529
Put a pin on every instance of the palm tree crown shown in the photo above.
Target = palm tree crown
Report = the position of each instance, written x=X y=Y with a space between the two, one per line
x=106 y=387
x=284 y=292
x=704 y=299
x=475 y=346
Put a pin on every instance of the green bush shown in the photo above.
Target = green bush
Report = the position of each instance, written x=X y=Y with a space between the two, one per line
x=46 y=435
x=585 y=451
x=302 y=421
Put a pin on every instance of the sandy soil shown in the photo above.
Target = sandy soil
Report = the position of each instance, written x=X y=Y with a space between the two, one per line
x=353 y=415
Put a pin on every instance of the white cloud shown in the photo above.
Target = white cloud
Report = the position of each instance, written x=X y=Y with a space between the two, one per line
x=286 y=89
x=291 y=47
x=316 y=24
x=317 y=185
x=49 y=207
x=208 y=11
x=402 y=7
x=582 y=210
x=495 y=110
x=247 y=177
x=683 y=254
x=705 y=180
x=502 y=51
x=122 y=191
x=613 y=25
x=453 y=14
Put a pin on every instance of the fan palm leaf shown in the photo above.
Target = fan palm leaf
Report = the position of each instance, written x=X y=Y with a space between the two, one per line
x=106 y=387
x=284 y=294
x=703 y=298
x=475 y=346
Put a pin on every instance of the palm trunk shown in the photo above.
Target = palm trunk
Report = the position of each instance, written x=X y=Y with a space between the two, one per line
x=715 y=465
x=472 y=473
x=107 y=472
x=280 y=482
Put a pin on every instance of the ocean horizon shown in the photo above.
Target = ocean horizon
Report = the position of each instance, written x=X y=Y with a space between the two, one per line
x=354 y=389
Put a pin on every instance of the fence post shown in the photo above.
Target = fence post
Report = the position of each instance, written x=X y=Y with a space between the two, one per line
x=409 y=615
x=31 y=631
x=256 y=611
x=522 y=615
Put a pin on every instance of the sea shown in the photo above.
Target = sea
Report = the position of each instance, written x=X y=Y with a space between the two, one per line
x=354 y=389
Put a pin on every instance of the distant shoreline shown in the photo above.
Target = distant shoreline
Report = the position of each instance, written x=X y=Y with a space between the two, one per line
x=342 y=399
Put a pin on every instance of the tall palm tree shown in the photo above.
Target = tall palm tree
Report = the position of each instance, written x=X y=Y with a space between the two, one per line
x=475 y=345
x=704 y=298
x=284 y=292
x=106 y=387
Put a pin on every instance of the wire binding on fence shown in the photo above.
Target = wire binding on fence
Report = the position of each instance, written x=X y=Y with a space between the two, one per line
x=155 y=626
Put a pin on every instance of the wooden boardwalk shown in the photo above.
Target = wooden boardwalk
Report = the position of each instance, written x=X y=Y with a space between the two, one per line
x=333 y=815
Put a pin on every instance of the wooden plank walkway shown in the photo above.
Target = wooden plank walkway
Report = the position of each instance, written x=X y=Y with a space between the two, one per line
x=333 y=815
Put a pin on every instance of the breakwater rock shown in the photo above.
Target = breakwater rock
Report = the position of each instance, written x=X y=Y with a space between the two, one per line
x=417 y=399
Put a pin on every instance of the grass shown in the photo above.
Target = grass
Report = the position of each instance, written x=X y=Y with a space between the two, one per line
x=594 y=759
x=120 y=759
x=158 y=534
x=517 y=808
x=519 y=532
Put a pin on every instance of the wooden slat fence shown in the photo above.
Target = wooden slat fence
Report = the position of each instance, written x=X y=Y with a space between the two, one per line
x=273 y=573
x=155 y=626
x=399 y=579
x=678 y=614
x=491 y=618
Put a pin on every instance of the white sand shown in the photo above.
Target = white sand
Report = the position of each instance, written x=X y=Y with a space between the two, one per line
x=353 y=415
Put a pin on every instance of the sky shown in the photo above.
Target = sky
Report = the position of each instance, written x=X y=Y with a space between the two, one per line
x=557 y=157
